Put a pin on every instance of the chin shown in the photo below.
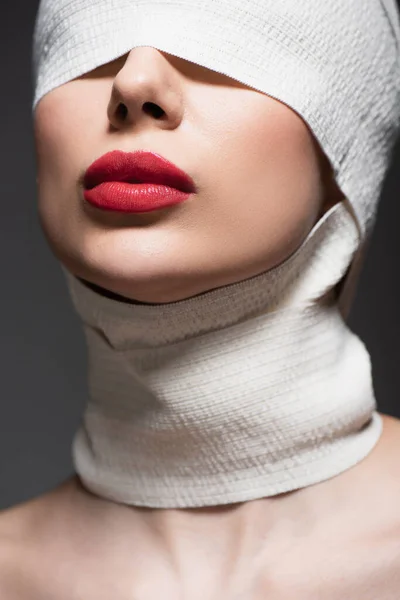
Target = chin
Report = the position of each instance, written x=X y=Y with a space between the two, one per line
x=147 y=286
x=128 y=289
x=152 y=270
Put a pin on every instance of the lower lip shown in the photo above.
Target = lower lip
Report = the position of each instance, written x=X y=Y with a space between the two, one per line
x=133 y=197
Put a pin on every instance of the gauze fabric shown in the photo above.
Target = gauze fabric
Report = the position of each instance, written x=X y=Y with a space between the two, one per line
x=259 y=387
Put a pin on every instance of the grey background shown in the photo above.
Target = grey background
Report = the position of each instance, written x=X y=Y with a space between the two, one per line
x=42 y=352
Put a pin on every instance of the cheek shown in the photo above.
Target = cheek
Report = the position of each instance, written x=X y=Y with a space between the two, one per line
x=270 y=175
x=279 y=150
x=60 y=139
x=55 y=141
x=65 y=121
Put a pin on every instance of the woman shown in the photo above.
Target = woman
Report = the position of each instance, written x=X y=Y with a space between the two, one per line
x=208 y=176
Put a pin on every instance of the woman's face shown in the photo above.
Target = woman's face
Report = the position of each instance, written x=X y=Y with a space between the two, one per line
x=261 y=180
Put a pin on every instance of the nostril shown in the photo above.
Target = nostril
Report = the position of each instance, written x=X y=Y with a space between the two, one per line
x=121 y=111
x=153 y=109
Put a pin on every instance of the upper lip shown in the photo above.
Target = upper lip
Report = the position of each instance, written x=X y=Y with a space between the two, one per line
x=137 y=167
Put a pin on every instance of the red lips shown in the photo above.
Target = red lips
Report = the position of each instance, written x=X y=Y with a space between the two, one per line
x=135 y=182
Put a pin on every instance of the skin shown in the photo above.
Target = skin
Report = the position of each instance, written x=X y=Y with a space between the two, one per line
x=259 y=175
x=237 y=144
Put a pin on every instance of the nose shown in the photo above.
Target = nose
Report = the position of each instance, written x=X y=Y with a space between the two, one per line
x=147 y=89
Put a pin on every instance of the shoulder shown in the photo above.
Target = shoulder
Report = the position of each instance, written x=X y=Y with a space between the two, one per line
x=12 y=555
x=43 y=544
x=26 y=533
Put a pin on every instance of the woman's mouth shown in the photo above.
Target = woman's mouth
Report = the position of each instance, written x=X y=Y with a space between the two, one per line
x=138 y=181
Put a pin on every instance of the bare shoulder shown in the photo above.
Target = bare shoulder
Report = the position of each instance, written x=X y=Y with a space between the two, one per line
x=49 y=545
x=13 y=552
x=23 y=529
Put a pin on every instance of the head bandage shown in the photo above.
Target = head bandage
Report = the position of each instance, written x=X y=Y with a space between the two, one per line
x=275 y=393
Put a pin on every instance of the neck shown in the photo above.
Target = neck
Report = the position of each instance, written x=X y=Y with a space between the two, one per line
x=248 y=391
